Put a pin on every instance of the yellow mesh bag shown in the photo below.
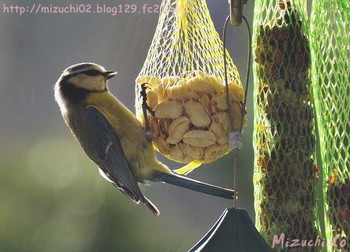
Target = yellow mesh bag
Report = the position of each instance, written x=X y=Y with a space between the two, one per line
x=184 y=70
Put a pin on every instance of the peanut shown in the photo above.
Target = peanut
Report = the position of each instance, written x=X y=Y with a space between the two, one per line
x=194 y=153
x=177 y=129
x=236 y=92
x=219 y=132
x=169 y=81
x=165 y=83
x=222 y=118
x=198 y=85
x=154 y=126
x=152 y=98
x=199 y=138
x=168 y=109
x=215 y=151
x=216 y=87
x=197 y=114
x=181 y=92
x=162 y=145
x=205 y=101
x=223 y=140
x=236 y=109
x=176 y=153
x=219 y=102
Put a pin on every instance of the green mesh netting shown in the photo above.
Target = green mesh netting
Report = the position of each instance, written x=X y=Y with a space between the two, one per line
x=330 y=22
x=285 y=173
x=185 y=71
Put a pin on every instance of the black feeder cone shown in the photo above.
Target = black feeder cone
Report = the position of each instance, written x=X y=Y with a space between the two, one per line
x=233 y=231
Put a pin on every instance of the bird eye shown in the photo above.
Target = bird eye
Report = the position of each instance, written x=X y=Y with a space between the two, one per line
x=92 y=72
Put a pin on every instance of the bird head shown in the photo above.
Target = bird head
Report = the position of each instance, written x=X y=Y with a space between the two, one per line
x=89 y=76
x=79 y=79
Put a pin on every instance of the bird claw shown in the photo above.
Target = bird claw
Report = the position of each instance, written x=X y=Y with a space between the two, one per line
x=145 y=107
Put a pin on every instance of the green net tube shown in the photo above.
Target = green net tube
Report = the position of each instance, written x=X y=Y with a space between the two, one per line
x=330 y=22
x=285 y=173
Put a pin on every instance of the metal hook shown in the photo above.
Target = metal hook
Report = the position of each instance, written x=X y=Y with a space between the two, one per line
x=236 y=8
x=235 y=138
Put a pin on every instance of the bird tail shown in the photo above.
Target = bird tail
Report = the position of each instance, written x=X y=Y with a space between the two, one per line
x=151 y=206
x=194 y=185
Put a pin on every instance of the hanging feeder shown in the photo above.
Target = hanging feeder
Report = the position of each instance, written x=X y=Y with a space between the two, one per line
x=330 y=47
x=285 y=173
x=185 y=78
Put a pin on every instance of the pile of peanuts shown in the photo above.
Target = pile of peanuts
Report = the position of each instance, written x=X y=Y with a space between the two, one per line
x=286 y=173
x=191 y=121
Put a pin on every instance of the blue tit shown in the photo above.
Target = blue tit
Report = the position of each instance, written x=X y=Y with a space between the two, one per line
x=113 y=138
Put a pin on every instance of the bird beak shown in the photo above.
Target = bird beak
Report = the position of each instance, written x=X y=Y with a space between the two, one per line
x=110 y=74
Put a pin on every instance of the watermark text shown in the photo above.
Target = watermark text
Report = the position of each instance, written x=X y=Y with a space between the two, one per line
x=100 y=8
x=285 y=242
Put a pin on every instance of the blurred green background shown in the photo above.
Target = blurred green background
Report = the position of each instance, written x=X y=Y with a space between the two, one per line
x=52 y=197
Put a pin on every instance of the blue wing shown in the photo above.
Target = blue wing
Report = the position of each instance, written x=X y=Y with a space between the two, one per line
x=112 y=161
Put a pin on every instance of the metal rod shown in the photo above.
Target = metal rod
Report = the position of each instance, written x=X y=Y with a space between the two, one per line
x=228 y=95
x=248 y=69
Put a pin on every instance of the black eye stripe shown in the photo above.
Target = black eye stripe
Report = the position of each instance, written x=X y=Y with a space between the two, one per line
x=92 y=72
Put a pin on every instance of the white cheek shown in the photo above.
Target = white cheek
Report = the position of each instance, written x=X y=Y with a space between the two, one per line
x=93 y=83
